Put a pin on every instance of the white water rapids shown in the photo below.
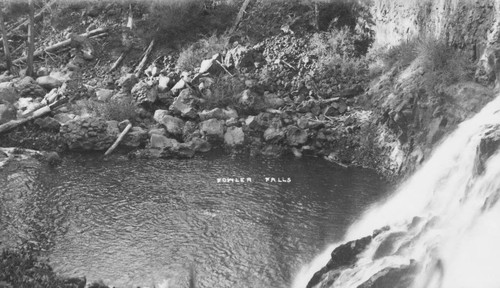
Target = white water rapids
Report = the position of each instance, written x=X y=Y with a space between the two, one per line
x=448 y=218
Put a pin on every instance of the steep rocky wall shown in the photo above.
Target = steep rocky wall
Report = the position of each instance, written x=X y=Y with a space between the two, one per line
x=466 y=24
x=414 y=120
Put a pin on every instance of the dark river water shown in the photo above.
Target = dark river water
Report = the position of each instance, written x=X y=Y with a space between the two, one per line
x=146 y=222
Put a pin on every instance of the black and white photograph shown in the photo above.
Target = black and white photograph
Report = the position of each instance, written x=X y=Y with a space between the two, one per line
x=249 y=143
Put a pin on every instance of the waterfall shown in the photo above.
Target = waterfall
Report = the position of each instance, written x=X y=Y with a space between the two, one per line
x=445 y=217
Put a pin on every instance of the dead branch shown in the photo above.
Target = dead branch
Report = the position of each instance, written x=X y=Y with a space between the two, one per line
x=239 y=16
x=141 y=65
x=63 y=44
x=119 y=139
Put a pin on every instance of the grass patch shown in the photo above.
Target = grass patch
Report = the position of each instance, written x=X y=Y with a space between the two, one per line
x=115 y=109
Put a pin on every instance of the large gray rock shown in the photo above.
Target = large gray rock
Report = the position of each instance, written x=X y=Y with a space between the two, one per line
x=212 y=127
x=104 y=95
x=162 y=142
x=200 y=145
x=274 y=134
x=234 y=136
x=48 y=124
x=174 y=125
x=48 y=82
x=126 y=82
x=9 y=94
x=7 y=112
x=88 y=134
x=296 y=136
x=144 y=93
x=185 y=104
x=135 y=137
x=218 y=113
x=28 y=87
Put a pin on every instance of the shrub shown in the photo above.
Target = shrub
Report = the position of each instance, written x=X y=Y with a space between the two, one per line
x=191 y=57
x=401 y=55
x=443 y=65
x=118 y=109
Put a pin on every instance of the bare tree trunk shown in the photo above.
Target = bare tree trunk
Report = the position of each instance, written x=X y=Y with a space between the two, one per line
x=6 y=49
x=31 y=39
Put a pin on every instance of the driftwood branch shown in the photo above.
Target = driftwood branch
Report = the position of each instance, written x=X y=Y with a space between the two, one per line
x=239 y=16
x=63 y=44
x=141 y=65
x=118 y=61
x=15 y=123
x=119 y=139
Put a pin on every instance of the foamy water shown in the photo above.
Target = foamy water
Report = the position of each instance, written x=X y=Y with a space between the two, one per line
x=455 y=239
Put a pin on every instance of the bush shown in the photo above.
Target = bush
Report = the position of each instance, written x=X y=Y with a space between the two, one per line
x=190 y=58
x=401 y=55
x=223 y=93
x=443 y=65
x=115 y=109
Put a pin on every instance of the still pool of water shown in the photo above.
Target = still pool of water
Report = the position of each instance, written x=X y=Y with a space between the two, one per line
x=143 y=222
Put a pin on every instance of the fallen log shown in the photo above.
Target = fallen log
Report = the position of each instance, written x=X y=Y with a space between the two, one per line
x=15 y=123
x=65 y=43
x=141 y=65
x=119 y=139
x=118 y=61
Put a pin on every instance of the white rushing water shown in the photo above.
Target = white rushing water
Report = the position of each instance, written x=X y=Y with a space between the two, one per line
x=447 y=216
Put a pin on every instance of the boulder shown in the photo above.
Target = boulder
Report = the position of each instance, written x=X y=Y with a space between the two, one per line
x=104 y=95
x=174 y=125
x=127 y=81
x=48 y=82
x=274 y=134
x=135 y=137
x=157 y=131
x=163 y=83
x=200 y=145
x=273 y=101
x=48 y=124
x=64 y=117
x=28 y=87
x=185 y=104
x=218 y=113
x=144 y=94
x=190 y=130
x=251 y=101
x=9 y=94
x=296 y=136
x=234 y=136
x=89 y=133
x=183 y=150
x=7 y=112
x=239 y=57
x=212 y=127
x=162 y=142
